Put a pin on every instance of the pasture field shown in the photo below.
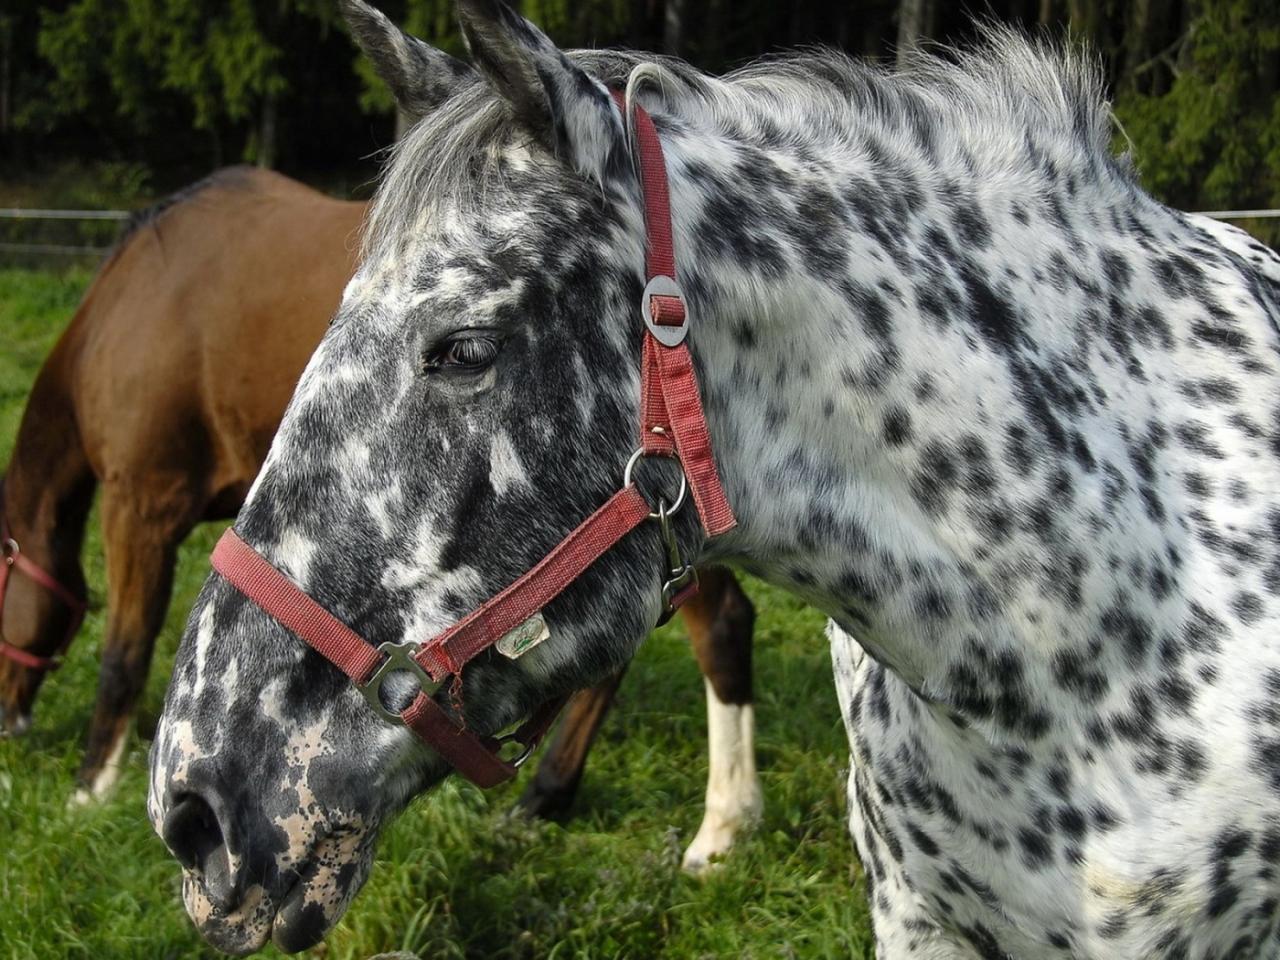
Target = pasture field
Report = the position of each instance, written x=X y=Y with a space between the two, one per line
x=456 y=876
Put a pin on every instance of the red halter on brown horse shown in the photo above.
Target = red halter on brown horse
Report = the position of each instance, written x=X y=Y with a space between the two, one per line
x=14 y=561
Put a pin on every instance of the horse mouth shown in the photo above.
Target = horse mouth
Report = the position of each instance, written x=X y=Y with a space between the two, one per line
x=317 y=895
x=337 y=869
x=238 y=932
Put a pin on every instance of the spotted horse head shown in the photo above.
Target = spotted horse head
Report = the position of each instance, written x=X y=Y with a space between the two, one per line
x=476 y=396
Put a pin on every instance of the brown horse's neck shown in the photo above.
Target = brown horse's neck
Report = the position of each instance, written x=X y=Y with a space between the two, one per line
x=48 y=487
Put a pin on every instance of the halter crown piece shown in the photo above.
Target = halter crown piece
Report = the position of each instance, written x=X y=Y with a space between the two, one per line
x=672 y=425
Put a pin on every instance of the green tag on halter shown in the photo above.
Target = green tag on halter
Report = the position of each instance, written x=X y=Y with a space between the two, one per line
x=520 y=640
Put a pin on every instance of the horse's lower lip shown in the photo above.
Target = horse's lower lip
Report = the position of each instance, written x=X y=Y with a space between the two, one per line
x=239 y=936
x=294 y=927
x=283 y=935
x=297 y=926
x=234 y=940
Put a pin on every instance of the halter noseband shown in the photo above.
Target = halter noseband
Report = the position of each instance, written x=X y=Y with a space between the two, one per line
x=672 y=425
x=12 y=558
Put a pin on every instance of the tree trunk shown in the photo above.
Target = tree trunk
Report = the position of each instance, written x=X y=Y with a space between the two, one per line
x=1140 y=41
x=673 y=28
x=915 y=21
x=215 y=145
x=638 y=29
x=6 y=68
x=802 y=24
x=842 y=26
x=267 y=131
x=1084 y=19
x=1046 y=12
x=1152 y=28
x=713 y=30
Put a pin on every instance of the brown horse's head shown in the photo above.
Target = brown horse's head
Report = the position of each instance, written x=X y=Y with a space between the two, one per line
x=40 y=587
x=475 y=398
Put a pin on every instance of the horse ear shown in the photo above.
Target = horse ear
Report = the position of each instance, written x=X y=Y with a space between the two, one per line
x=420 y=76
x=569 y=111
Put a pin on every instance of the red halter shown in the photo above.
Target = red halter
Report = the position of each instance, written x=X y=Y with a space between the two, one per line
x=13 y=559
x=672 y=425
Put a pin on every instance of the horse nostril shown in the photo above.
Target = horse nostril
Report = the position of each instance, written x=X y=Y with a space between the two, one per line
x=192 y=832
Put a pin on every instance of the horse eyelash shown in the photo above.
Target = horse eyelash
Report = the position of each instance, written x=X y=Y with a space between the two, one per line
x=473 y=352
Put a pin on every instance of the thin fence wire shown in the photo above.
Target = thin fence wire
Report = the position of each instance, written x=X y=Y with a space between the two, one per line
x=23 y=213
x=72 y=250
x=81 y=251
x=55 y=249
x=1241 y=214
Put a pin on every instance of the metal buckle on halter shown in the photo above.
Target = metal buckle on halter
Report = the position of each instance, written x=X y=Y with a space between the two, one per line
x=9 y=549
x=399 y=659
x=665 y=334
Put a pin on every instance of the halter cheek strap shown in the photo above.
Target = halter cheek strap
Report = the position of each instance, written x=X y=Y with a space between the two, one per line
x=477 y=758
x=672 y=422
x=11 y=559
x=672 y=425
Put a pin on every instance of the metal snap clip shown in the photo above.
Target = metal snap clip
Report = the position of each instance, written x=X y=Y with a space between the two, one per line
x=680 y=575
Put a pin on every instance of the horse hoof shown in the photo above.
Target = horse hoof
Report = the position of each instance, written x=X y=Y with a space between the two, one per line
x=146 y=725
x=92 y=792
x=543 y=803
x=15 y=726
x=700 y=864
x=718 y=833
x=81 y=799
x=705 y=856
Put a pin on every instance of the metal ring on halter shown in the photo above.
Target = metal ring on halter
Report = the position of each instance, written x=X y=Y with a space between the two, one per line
x=684 y=482
x=9 y=547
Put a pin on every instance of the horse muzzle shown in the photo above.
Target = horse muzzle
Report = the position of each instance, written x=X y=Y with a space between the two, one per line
x=243 y=886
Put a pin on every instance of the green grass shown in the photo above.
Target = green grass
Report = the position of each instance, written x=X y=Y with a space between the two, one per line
x=456 y=876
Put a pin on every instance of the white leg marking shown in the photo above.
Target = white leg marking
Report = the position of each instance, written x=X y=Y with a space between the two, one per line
x=734 y=800
x=107 y=777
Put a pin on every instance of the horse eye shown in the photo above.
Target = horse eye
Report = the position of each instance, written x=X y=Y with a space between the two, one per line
x=467 y=354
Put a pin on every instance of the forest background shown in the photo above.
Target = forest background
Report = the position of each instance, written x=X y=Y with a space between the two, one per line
x=115 y=102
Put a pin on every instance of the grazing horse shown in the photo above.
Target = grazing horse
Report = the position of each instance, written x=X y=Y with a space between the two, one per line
x=165 y=390
x=175 y=434
x=1011 y=423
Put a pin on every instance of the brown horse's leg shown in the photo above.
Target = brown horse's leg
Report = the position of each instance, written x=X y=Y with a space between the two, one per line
x=720 y=622
x=140 y=542
x=551 y=792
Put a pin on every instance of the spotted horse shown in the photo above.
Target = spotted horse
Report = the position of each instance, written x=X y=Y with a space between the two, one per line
x=1010 y=422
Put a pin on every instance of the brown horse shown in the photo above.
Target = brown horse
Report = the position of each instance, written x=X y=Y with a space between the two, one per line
x=165 y=390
